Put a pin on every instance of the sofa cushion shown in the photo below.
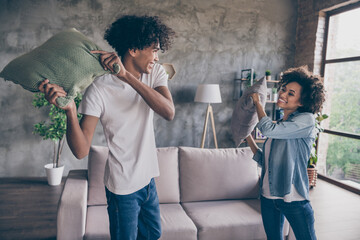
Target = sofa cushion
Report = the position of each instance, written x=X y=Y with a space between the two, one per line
x=97 y=223
x=96 y=168
x=215 y=174
x=64 y=59
x=167 y=184
x=227 y=220
x=175 y=224
x=245 y=117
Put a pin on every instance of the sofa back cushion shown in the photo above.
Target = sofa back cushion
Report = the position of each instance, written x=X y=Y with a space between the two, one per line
x=96 y=168
x=167 y=184
x=217 y=174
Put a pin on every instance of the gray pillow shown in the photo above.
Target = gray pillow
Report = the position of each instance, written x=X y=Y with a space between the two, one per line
x=64 y=59
x=244 y=117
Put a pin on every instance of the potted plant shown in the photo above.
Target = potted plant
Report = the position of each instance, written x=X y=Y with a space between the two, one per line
x=311 y=168
x=274 y=94
x=248 y=78
x=267 y=75
x=55 y=130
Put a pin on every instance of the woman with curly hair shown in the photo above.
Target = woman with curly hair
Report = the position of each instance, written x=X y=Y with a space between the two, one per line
x=284 y=181
x=125 y=103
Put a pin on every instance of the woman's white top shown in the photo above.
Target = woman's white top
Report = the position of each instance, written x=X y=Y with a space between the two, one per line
x=265 y=191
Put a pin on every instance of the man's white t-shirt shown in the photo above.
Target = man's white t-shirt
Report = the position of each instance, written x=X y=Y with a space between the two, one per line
x=128 y=128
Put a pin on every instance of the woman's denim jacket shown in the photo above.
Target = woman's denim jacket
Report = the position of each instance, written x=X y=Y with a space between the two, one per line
x=290 y=149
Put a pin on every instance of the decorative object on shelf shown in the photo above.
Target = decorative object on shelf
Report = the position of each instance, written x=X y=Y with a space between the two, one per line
x=311 y=168
x=208 y=93
x=251 y=76
x=169 y=69
x=268 y=75
x=259 y=135
x=240 y=78
x=274 y=94
x=268 y=94
x=54 y=130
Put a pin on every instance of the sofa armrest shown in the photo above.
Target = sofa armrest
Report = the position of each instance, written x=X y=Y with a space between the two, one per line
x=72 y=208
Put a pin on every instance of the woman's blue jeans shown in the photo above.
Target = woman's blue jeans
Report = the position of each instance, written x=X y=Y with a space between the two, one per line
x=299 y=214
x=135 y=216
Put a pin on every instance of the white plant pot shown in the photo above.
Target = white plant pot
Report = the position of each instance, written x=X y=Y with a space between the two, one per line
x=54 y=175
x=275 y=97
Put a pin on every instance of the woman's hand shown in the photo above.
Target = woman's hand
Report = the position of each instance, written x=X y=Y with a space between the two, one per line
x=255 y=97
x=52 y=92
x=259 y=108
x=108 y=59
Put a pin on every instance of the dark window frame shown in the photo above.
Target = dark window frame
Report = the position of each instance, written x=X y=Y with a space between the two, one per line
x=322 y=70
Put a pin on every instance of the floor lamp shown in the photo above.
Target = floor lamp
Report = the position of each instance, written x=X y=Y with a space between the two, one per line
x=208 y=93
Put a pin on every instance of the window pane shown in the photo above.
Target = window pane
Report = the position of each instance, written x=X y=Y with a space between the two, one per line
x=344 y=36
x=342 y=158
x=342 y=84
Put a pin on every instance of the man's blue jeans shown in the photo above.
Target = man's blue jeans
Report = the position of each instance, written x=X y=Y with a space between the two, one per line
x=299 y=214
x=135 y=216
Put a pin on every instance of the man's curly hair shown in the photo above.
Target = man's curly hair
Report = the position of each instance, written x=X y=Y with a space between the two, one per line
x=138 y=32
x=313 y=92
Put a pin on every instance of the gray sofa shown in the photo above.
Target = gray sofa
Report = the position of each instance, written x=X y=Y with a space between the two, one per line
x=204 y=194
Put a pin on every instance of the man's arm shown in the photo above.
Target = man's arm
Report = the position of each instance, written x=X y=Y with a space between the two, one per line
x=79 y=136
x=158 y=99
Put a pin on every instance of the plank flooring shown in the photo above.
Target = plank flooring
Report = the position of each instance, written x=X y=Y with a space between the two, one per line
x=28 y=210
x=337 y=212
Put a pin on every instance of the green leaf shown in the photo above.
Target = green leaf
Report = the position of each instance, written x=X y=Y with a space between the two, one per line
x=54 y=128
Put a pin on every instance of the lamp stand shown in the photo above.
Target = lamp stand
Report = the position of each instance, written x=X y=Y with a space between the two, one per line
x=209 y=111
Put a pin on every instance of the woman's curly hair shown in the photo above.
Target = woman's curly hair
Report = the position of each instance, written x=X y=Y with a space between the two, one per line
x=138 y=32
x=313 y=92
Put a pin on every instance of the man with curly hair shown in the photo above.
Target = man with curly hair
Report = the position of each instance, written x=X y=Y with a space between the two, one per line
x=284 y=180
x=125 y=103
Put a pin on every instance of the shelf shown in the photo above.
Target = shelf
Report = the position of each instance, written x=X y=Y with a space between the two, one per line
x=259 y=140
x=241 y=79
x=272 y=81
x=255 y=80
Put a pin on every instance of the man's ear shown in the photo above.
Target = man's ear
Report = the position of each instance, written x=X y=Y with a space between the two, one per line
x=133 y=52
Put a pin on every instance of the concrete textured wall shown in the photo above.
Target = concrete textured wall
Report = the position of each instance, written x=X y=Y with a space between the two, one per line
x=215 y=39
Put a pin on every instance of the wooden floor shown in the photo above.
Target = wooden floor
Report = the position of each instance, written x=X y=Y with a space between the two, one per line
x=337 y=212
x=28 y=210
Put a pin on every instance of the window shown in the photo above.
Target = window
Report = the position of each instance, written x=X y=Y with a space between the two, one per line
x=339 y=145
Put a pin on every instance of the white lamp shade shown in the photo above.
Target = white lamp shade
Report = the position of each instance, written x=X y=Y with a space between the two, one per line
x=208 y=93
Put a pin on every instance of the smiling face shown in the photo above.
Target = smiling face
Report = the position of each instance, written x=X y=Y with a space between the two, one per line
x=290 y=97
x=144 y=60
